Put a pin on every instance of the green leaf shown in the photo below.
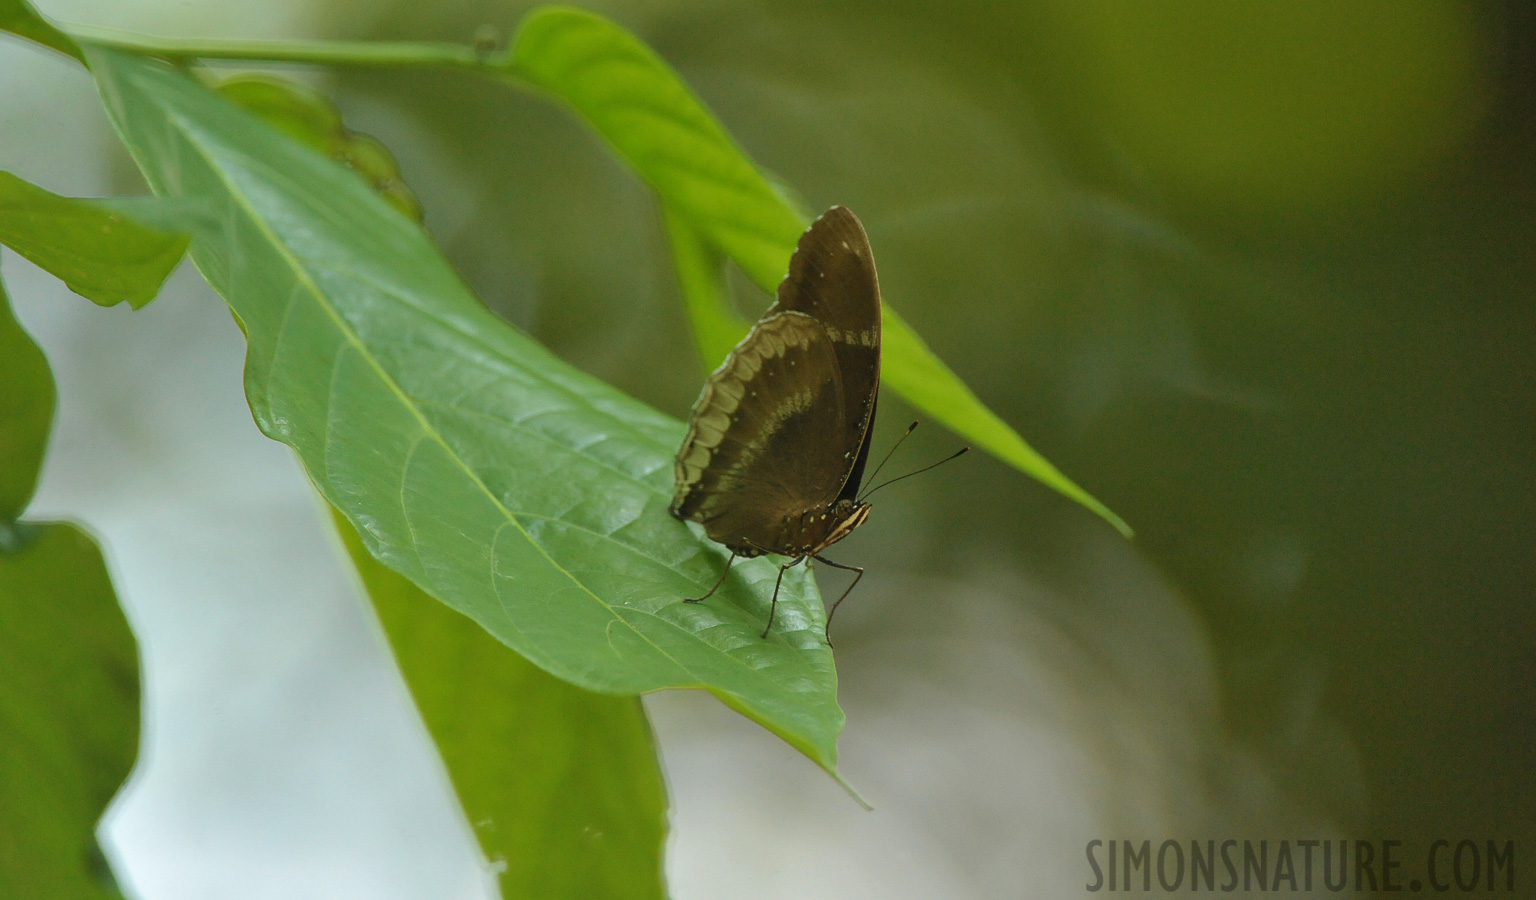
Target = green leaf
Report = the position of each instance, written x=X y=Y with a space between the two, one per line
x=99 y=252
x=701 y=280
x=519 y=491
x=69 y=671
x=69 y=711
x=309 y=118
x=917 y=374
x=294 y=109
x=26 y=413
x=19 y=18
x=653 y=121
x=561 y=785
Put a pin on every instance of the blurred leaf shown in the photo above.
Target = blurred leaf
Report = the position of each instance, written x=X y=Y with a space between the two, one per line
x=98 y=252
x=19 y=18
x=561 y=784
x=367 y=155
x=69 y=711
x=294 y=109
x=309 y=118
x=170 y=214
x=928 y=384
x=26 y=413
x=519 y=491
x=653 y=121
x=701 y=279
x=69 y=680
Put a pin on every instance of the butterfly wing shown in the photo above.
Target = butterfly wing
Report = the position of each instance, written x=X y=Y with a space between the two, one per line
x=754 y=454
x=832 y=279
x=783 y=426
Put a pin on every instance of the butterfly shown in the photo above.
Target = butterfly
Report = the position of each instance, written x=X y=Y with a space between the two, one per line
x=777 y=442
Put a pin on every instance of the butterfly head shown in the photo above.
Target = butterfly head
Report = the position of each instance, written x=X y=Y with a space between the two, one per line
x=819 y=528
x=848 y=515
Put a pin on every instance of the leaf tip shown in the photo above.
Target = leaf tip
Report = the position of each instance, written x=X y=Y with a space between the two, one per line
x=1109 y=516
x=852 y=791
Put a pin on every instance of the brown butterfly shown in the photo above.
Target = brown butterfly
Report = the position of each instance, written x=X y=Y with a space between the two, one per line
x=778 y=439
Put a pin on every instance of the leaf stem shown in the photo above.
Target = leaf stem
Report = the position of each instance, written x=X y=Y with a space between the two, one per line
x=387 y=54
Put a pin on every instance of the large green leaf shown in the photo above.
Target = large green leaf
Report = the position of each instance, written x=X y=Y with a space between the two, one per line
x=26 y=413
x=69 y=711
x=99 y=252
x=561 y=785
x=525 y=494
x=653 y=121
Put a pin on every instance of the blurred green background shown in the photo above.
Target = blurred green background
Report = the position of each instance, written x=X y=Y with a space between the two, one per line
x=1259 y=276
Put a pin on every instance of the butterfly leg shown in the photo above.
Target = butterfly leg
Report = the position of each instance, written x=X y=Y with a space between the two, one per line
x=712 y=590
x=858 y=573
x=773 y=607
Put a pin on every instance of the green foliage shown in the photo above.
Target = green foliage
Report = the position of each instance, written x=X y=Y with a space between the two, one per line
x=467 y=462
x=69 y=679
x=312 y=120
x=637 y=103
x=701 y=280
x=651 y=119
x=515 y=489
x=69 y=688
x=100 y=253
x=26 y=412
x=297 y=111
x=69 y=711
x=561 y=784
x=19 y=18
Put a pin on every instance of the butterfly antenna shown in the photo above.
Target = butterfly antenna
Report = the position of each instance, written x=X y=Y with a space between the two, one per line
x=956 y=455
x=910 y=428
